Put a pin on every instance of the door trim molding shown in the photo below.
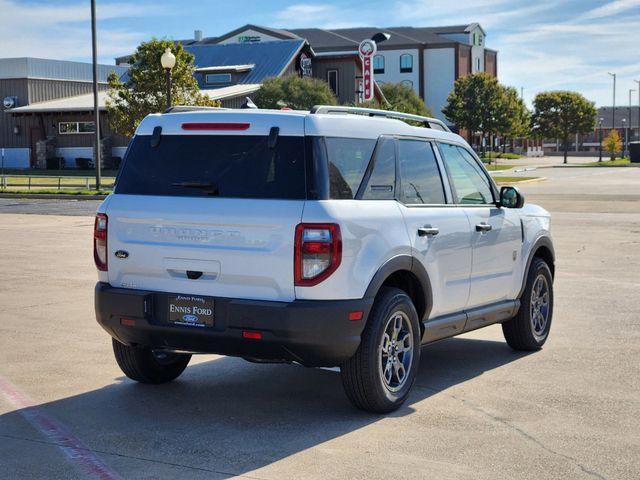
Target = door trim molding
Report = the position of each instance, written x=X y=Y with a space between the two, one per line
x=454 y=324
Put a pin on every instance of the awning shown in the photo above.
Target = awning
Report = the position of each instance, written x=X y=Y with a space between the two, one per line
x=79 y=103
x=226 y=68
x=232 y=91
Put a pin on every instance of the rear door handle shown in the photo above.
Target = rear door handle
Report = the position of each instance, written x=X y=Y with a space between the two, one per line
x=428 y=231
x=483 y=227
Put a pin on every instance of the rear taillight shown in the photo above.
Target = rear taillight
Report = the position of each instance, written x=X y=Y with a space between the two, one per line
x=318 y=252
x=100 y=241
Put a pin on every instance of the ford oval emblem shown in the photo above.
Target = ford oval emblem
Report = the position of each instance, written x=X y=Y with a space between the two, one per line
x=122 y=254
x=190 y=318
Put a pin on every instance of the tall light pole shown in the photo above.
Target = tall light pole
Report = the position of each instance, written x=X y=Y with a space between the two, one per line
x=600 y=138
x=630 y=126
x=96 y=110
x=624 y=144
x=168 y=61
x=638 y=82
x=613 y=121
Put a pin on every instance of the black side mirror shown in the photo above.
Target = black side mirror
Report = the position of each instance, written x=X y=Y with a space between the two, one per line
x=510 y=197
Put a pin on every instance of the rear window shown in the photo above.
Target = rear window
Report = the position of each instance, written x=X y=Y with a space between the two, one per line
x=231 y=166
x=348 y=160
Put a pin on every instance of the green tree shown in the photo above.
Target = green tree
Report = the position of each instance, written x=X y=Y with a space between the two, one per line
x=561 y=114
x=612 y=143
x=400 y=98
x=517 y=118
x=144 y=90
x=476 y=104
x=294 y=92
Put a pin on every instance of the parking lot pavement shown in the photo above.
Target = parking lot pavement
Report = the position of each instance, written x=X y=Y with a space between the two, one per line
x=41 y=206
x=478 y=410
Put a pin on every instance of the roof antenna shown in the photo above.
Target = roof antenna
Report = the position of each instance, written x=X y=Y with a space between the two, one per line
x=248 y=104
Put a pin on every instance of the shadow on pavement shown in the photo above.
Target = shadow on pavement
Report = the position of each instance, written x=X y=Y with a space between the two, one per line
x=231 y=417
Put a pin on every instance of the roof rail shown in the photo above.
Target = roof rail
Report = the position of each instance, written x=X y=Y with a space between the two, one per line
x=190 y=108
x=372 y=112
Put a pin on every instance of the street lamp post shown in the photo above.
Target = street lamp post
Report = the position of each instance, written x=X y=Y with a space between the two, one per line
x=600 y=139
x=613 y=121
x=638 y=82
x=630 y=126
x=624 y=145
x=168 y=61
x=96 y=108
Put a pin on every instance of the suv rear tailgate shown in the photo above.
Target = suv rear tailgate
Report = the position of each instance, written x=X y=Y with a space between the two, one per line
x=241 y=248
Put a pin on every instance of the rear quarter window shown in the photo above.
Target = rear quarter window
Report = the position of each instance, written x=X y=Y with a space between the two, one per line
x=231 y=166
x=348 y=159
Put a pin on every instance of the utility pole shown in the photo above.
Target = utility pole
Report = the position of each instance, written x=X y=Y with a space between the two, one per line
x=630 y=126
x=613 y=121
x=96 y=110
x=638 y=82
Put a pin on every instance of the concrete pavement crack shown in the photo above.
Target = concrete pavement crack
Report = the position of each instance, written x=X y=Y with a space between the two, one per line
x=518 y=430
x=142 y=459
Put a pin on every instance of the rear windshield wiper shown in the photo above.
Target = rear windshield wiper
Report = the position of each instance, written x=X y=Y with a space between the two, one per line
x=209 y=187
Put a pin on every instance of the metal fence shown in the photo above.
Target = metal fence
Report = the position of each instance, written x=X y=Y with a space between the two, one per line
x=50 y=182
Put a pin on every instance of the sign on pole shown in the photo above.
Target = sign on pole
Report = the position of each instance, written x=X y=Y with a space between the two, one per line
x=367 y=50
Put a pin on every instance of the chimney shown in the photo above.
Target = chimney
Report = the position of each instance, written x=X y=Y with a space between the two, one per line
x=197 y=35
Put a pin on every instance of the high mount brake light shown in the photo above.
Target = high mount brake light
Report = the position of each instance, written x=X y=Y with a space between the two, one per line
x=317 y=253
x=224 y=127
x=100 y=228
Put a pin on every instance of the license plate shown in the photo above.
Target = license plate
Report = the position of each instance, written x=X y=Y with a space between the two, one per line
x=191 y=311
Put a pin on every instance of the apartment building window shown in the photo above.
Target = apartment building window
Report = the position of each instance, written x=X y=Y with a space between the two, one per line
x=67 y=128
x=378 y=64
x=407 y=83
x=406 y=63
x=332 y=80
x=217 y=78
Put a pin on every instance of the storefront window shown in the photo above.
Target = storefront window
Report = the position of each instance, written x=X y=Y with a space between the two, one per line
x=378 y=64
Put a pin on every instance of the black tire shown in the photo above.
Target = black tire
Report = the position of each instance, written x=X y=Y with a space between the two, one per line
x=520 y=332
x=362 y=374
x=146 y=366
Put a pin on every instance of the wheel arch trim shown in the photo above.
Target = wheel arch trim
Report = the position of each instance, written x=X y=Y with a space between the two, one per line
x=403 y=263
x=545 y=242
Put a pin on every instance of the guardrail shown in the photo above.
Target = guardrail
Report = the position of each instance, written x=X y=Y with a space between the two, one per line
x=50 y=182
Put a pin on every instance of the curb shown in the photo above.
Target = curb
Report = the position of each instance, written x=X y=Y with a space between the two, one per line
x=596 y=166
x=52 y=196
x=531 y=180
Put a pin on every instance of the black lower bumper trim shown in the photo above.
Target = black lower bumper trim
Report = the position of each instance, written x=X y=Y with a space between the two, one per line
x=311 y=332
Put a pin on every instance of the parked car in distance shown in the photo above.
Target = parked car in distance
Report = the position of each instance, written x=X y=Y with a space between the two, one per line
x=336 y=237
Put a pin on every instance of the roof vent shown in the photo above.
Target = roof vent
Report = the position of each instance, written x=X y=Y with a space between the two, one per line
x=197 y=35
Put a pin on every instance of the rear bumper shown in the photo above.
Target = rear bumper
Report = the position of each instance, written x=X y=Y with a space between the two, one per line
x=311 y=332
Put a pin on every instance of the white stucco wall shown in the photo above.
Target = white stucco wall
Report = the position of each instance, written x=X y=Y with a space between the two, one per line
x=392 y=68
x=249 y=33
x=439 y=75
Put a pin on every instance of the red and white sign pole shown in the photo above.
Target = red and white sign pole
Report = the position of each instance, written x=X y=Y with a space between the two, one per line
x=367 y=50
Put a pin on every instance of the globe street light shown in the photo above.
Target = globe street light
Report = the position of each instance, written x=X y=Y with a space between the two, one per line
x=168 y=61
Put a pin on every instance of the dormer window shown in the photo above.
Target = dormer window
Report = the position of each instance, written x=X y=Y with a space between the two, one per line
x=217 y=78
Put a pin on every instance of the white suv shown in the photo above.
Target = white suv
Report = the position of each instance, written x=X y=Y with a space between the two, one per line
x=337 y=237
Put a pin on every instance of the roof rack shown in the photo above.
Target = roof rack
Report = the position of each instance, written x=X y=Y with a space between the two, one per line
x=372 y=112
x=190 y=108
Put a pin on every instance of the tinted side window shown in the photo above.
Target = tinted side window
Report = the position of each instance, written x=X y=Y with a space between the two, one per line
x=381 y=184
x=348 y=160
x=470 y=184
x=419 y=174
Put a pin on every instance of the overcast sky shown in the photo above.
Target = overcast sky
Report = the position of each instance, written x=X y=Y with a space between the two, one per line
x=558 y=44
